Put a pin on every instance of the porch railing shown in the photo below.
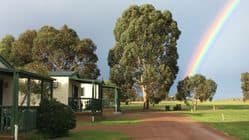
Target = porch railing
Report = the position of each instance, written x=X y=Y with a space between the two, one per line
x=107 y=103
x=5 y=118
x=26 y=118
x=85 y=104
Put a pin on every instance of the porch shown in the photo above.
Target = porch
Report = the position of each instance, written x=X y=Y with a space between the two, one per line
x=20 y=95
x=86 y=95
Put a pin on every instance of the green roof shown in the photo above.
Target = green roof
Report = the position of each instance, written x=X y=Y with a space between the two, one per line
x=61 y=73
x=86 y=80
x=73 y=76
x=6 y=63
x=9 y=69
x=28 y=74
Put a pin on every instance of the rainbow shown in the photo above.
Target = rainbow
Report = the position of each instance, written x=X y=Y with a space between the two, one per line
x=210 y=36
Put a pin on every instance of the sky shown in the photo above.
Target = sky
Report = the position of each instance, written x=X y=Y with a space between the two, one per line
x=95 y=19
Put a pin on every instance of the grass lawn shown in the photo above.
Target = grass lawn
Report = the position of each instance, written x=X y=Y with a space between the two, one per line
x=118 y=120
x=231 y=117
x=95 y=135
x=83 y=135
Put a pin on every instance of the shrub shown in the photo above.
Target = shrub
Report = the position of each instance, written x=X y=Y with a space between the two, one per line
x=54 y=118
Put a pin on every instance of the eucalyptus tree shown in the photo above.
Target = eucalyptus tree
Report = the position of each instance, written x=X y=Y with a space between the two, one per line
x=145 y=53
x=6 y=44
x=196 y=88
x=51 y=49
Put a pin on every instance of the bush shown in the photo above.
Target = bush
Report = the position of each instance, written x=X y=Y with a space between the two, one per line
x=54 y=118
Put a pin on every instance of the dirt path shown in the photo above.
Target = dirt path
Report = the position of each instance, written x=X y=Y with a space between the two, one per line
x=162 y=126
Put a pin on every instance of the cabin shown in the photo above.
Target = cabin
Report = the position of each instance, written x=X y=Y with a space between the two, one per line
x=22 y=91
x=18 y=99
x=82 y=95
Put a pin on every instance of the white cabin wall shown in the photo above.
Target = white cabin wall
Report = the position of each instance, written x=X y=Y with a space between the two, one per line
x=61 y=93
x=88 y=90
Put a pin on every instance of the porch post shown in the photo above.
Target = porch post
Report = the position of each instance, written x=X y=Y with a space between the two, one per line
x=28 y=91
x=92 y=90
x=42 y=94
x=51 y=89
x=115 y=99
x=100 y=95
x=95 y=91
x=14 y=118
x=118 y=100
x=92 y=100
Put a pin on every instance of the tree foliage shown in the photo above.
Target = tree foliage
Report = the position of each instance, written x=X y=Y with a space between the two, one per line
x=196 y=87
x=245 y=85
x=6 y=46
x=51 y=49
x=145 y=53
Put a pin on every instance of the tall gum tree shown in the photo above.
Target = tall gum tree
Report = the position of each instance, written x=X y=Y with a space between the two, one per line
x=145 y=53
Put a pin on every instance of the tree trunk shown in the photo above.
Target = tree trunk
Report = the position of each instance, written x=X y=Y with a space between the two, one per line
x=195 y=104
x=145 y=97
x=24 y=99
x=192 y=107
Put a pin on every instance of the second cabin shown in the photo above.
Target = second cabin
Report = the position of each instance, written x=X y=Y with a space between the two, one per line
x=80 y=94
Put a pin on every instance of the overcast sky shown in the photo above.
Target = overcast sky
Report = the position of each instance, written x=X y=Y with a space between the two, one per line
x=95 y=19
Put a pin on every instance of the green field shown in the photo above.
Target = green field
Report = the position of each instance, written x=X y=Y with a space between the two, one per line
x=231 y=117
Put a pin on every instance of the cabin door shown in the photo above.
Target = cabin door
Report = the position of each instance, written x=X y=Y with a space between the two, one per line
x=75 y=92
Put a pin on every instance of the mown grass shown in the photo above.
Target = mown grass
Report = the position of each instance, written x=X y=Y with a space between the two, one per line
x=95 y=135
x=116 y=120
x=82 y=135
x=119 y=121
x=113 y=121
x=235 y=121
x=231 y=117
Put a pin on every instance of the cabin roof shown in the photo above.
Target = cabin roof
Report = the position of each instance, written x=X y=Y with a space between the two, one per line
x=7 y=68
x=4 y=64
x=73 y=76
x=61 y=73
